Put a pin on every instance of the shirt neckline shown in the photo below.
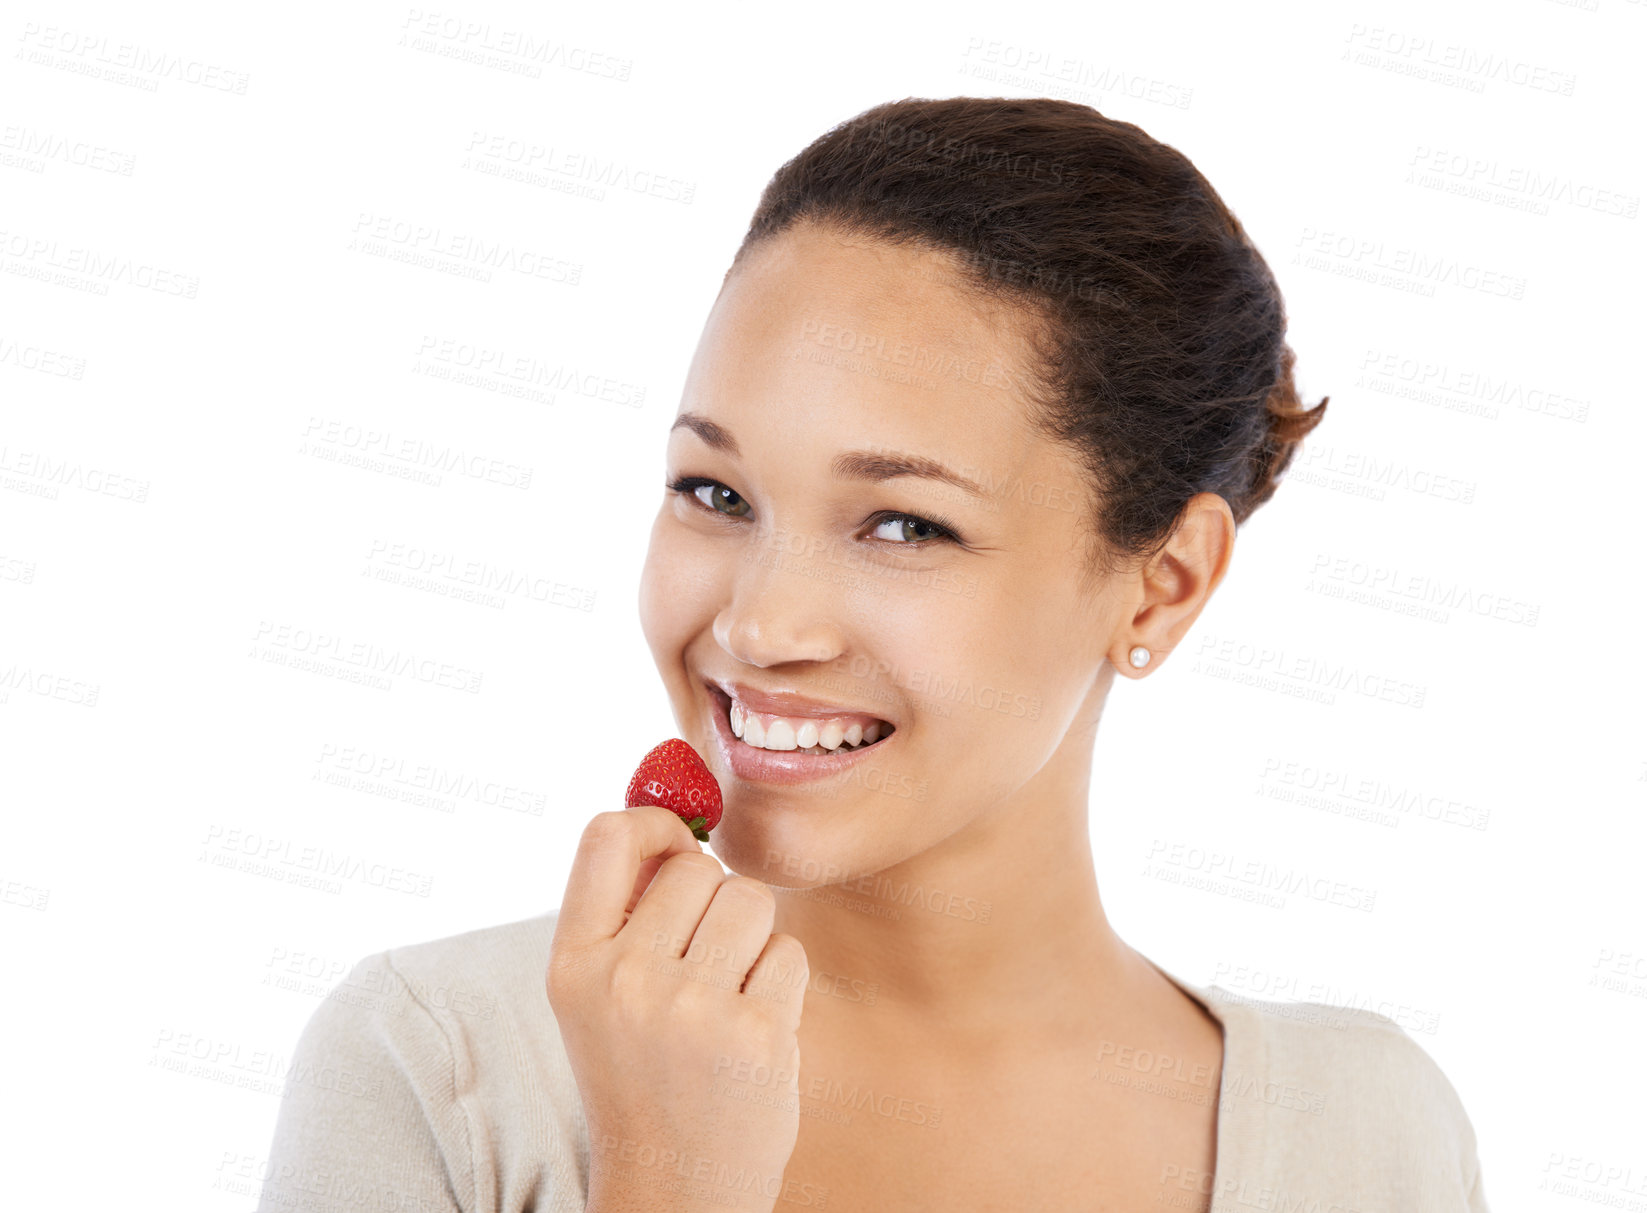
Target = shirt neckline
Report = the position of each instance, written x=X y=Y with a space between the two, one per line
x=1239 y=1151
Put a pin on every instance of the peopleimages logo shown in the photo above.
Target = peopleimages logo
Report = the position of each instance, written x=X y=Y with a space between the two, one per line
x=379 y=446
x=1260 y=874
x=95 y=55
x=366 y=656
x=880 y=887
x=937 y=686
x=37 y=257
x=425 y=244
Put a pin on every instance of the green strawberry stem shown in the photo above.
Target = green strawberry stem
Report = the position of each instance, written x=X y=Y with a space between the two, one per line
x=696 y=826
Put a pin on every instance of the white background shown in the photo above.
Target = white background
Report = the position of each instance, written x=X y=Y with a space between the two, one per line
x=1449 y=196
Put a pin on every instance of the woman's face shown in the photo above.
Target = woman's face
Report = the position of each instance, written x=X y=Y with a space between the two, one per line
x=802 y=572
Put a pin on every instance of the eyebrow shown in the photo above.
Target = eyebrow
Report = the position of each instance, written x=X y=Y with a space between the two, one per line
x=848 y=465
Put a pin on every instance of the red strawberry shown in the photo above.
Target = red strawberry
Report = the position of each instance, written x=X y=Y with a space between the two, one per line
x=675 y=778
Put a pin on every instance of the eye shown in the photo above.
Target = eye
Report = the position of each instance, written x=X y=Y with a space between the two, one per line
x=908 y=526
x=718 y=493
x=908 y=523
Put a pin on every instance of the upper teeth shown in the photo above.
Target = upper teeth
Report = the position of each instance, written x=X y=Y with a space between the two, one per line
x=801 y=732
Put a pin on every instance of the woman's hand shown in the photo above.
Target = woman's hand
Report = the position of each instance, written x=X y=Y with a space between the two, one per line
x=679 y=1009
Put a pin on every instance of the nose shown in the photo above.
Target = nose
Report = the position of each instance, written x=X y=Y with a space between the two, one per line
x=780 y=612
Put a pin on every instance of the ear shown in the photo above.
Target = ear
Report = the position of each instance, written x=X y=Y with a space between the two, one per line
x=1176 y=584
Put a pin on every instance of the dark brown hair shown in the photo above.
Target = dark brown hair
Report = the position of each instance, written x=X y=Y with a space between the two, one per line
x=1157 y=327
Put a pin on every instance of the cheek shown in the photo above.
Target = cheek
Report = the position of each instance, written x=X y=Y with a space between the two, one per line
x=676 y=594
x=916 y=646
x=979 y=657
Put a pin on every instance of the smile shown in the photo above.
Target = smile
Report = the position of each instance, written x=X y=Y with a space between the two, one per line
x=775 y=747
x=765 y=731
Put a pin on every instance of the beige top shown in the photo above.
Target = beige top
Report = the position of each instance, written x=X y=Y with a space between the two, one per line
x=433 y=1078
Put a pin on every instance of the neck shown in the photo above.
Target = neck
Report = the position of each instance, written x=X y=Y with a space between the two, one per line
x=995 y=933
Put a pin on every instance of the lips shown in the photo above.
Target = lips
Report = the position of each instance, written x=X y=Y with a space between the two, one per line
x=762 y=766
x=791 y=703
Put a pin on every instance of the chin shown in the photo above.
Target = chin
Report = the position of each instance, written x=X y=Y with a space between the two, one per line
x=779 y=848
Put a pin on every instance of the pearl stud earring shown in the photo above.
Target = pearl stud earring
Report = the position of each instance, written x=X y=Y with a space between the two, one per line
x=1139 y=656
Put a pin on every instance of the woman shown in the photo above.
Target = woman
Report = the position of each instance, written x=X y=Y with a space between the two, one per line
x=986 y=392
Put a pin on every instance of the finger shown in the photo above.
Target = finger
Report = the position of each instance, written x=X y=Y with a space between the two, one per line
x=670 y=910
x=648 y=870
x=780 y=976
x=734 y=928
x=607 y=868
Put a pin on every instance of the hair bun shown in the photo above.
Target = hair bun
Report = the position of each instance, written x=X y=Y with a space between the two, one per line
x=1289 y=423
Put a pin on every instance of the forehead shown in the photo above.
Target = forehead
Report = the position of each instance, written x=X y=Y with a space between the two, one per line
x=879 y=342
x=906 y=290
